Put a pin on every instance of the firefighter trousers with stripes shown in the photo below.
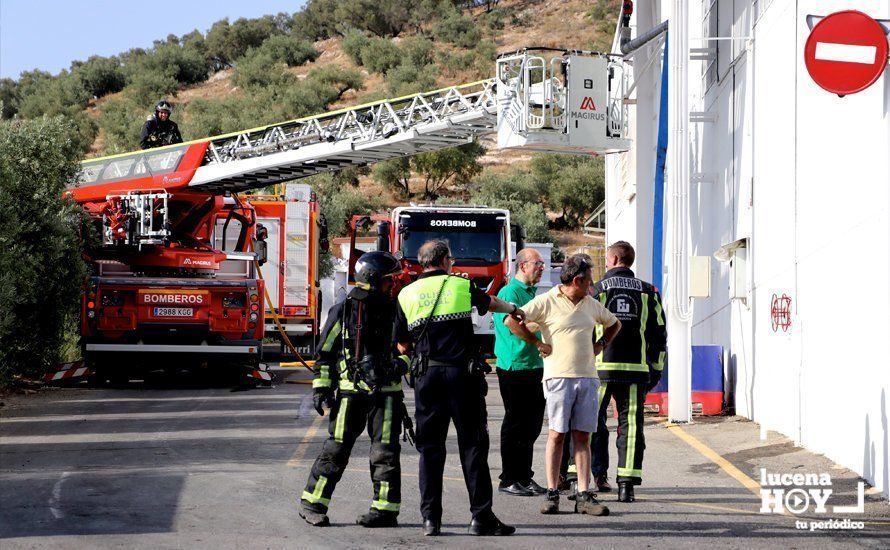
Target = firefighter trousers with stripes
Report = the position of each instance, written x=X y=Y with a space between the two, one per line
x=631 y=443
x=351 y=414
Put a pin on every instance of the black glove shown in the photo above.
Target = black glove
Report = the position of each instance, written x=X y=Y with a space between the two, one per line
x=398 y=367
x=483 y=385
x=322 y=396
x=654 y=379
x=369 y=371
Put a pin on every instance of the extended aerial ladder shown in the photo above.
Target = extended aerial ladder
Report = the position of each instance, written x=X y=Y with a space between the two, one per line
x=569 y=102
x=164 y=213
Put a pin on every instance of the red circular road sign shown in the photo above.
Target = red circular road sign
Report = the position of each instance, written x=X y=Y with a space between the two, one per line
x=846 y=52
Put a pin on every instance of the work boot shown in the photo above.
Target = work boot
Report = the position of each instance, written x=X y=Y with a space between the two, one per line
x=573 y=490
x=378 y=518
x=625 y=491
x=602 y=483
x=312 y=517
x=586 y=503
x=490 y=527
x=551 y=502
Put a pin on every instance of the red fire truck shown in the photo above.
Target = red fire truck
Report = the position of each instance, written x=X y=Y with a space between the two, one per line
x=175 y=267
x=481 y=240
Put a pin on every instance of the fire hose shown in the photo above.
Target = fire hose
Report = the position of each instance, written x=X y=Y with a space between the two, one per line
x=275 y=317
x=278 y=324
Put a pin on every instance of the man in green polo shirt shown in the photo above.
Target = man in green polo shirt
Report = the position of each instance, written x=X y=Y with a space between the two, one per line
x=520 y=370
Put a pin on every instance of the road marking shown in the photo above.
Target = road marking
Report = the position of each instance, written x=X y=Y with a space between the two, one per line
x=304 y=443
x=409 y=474
x=698 y=505
x=56 y=499
x=227 y=398
x=725 y=465
x=190 y=414
x=714 y=457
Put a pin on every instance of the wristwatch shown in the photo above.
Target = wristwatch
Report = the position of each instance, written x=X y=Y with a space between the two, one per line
x=601 y=342
x=515 y=308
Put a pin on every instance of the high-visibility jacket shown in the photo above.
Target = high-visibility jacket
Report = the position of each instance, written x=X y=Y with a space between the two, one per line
x=344 y=330
x=449 y=337
x=637 y=353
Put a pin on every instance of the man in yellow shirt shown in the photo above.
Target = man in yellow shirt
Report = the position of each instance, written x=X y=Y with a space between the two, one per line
x=567 y=317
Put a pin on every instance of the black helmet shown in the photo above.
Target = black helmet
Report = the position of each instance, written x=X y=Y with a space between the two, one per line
x=164 y=105
x=372 y=267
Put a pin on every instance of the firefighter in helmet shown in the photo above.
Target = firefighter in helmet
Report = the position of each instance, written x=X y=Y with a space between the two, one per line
x=359 y=380
x=158 y=129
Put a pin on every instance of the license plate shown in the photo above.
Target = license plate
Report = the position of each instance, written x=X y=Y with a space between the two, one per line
x=173 y=312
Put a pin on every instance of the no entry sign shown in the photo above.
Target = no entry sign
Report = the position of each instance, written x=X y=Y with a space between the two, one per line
x=846 y=52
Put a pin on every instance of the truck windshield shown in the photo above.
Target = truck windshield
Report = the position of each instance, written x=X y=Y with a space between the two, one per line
x=468 y=248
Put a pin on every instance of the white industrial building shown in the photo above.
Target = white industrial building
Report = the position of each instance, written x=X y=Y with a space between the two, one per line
x=789 y=185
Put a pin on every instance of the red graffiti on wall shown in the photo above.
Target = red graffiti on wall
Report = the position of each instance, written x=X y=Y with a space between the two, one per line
x=780 y=312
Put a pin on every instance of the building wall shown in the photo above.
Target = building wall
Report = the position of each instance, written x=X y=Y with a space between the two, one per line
x=804 y=176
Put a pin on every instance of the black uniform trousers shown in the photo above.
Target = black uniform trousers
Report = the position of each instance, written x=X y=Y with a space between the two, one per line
x=599 y=446
x=631 y=443
x=382 y=414
x=524 y=403
x=443 y=394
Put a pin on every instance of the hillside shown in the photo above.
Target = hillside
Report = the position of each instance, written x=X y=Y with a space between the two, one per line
x=332 y=54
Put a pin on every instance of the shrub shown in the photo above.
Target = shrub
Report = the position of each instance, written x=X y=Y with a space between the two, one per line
x=259 y=69
x=380 y=55
x=52 y=96
x=338 y=203
x=61 y=95
x=353 y=44
x=121 y=121
x=411 y=79
x=416 y=50
x=146 y=88
x=227 y=42
x=100 y=75
x=383 y=18
x=289 y=50
x=9 y=97
x=516 y=192
x=457 y=29
x=317 y=20
x=395 y=175
x=574 y=185
x=40 y=257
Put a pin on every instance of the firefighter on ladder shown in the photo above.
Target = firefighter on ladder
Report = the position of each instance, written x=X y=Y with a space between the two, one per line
x=158 y=129
x=356 y=363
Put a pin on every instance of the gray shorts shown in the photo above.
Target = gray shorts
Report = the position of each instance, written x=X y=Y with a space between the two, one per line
x=572 y=403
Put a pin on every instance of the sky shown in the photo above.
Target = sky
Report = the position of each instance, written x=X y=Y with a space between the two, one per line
x=50 y=34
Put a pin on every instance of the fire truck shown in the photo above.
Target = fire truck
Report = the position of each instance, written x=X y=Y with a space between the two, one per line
x=482 y=242
x=176 y=266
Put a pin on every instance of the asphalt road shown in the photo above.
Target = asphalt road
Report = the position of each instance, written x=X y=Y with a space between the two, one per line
x=212 y=468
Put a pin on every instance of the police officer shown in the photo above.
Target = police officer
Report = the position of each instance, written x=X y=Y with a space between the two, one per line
x=434 y=321
x=356 y=363
x=159 y=130
x=629 y=366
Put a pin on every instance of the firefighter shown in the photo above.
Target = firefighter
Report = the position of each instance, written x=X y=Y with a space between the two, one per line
x=158 y=129
x=629 y=366
x=434 y=320
x=359 y=380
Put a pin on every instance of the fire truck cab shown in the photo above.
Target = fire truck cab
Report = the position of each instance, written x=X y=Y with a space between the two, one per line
x=481 y=240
